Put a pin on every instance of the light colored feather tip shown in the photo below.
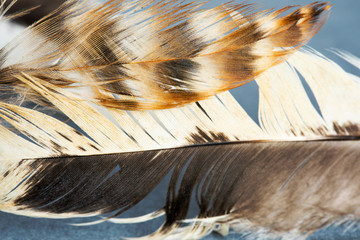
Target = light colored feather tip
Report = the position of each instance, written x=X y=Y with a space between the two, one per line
x=101 y=102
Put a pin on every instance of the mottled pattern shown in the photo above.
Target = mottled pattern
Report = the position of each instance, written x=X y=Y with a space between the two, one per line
x=95 y=60
x=128 y=58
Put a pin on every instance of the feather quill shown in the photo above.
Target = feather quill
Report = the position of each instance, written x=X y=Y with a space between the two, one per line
x=103 y=100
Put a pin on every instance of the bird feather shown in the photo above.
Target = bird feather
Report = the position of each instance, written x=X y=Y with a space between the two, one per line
x=101 y=101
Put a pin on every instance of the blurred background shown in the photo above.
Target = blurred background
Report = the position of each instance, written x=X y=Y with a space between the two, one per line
x=341 y=32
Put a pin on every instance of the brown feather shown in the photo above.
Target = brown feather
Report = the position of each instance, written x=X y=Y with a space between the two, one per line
x=76 y=140
x=144 y=62
x=285 y=186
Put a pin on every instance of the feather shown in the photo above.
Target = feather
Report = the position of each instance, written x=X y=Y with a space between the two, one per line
x=100 y=102
x=132 y=59
x=37 y=8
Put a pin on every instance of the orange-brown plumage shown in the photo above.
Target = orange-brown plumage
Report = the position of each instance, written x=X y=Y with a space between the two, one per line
x=100 y=101
x=168 y=54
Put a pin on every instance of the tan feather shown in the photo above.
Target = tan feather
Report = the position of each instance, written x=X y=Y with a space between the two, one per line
x=102 y=101
x=135 y=60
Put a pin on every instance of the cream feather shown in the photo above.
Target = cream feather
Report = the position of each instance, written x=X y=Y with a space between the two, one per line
x=100 y=101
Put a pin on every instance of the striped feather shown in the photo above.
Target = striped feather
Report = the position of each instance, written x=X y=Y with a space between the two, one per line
x=100 y=102
x=131 y=59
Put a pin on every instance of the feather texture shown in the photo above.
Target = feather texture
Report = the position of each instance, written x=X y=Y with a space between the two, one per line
x=131 y=59
x=102 y=101
x=37 y=8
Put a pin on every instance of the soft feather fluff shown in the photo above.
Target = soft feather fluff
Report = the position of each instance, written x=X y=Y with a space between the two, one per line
x=101 y=101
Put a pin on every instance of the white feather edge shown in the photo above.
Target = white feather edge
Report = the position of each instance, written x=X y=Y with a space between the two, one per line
x=284 y=110
x=334 y=89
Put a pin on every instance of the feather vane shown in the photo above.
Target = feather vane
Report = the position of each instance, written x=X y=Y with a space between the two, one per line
x=103 y=101
x=132 y=59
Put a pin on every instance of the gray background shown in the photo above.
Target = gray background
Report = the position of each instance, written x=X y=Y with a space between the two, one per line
x=341 y=31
